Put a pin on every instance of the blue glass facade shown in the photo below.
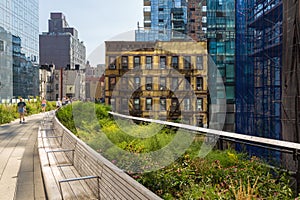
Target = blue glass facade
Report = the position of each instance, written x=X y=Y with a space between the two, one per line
x=221 y=48
x=20 y=20
x=163 y=20
x=6 y=70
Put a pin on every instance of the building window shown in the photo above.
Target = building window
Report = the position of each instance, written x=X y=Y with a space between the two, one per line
x=199 y=104
x=162 y=62
x=124 y=83
x=148 y=83
x=174 y=83
x=199 y=83
x=124 y=104
x=175 y=62
x=124 y=62
x=137 y=61
x=200 y=121
x=1 y=45
x=187 y=82
x=187 y=104
x=56 y=86
x=137 y=81
x=174 y=104
x=162 y=83
x=187 y=62
x=199 y=62
x=112 y=82
x=112 y=62
x=136 y=103
x=160 y=9
x=148 y=103
x=163 y=104
x=148 y=62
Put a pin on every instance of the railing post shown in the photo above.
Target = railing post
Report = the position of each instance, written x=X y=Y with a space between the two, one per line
x=220 y=144
x=297 y=156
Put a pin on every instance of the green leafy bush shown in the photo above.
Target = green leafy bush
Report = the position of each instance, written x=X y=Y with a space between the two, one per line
x=220 y=175
x=9 y=112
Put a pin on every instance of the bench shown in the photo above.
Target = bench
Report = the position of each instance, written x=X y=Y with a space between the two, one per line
x=62 y=181
x=71 y=161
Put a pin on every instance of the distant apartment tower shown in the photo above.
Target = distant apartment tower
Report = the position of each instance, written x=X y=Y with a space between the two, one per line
x=163 y=20
x=197 y=19
x=60 y=45
x=19 y=27
x=164 y=80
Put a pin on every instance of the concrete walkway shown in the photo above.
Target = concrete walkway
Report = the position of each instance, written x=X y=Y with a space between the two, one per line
x=20 y=172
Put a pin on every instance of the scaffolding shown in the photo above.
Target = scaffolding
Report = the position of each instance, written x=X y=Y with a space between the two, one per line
x=259 y=66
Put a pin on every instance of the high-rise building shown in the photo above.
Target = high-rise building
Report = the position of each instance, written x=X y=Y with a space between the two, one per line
x=258 y=67
x=19 y=49
x=221 y=48
x=60 y=45
x=6 y=69
x=164 y=20
x=197 y=19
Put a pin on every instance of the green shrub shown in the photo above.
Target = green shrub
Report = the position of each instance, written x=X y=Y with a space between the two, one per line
x=220 y=175
x=9 y=112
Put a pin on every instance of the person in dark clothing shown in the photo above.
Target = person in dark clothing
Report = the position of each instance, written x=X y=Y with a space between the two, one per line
x=21 y=109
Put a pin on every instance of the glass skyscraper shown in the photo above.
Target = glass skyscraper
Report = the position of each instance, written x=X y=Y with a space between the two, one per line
x=163 y=20
x=221 y=48
x=19 y=48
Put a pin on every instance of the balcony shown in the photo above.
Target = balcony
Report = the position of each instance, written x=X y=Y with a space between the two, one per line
x=147 y=3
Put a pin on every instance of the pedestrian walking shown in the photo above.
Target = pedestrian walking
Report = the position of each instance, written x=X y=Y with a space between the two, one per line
x=21 y=109
x=44 y=102
x=58 y=104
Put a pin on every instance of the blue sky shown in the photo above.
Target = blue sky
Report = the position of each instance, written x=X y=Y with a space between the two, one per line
x=95 y=20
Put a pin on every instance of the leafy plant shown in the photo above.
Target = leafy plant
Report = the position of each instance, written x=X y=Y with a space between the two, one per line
x=220 y=175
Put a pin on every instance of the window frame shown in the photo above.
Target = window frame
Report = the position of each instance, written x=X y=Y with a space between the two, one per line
x=199 y=62
x=175 y=65
x=162 y=65
x=149 y=65
x=149 y=83
x=136 y=64
x=199 y=84
x=112 y=62
x=199 y=99
x=124 y=64
x=148 y=106
x=187 y=62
